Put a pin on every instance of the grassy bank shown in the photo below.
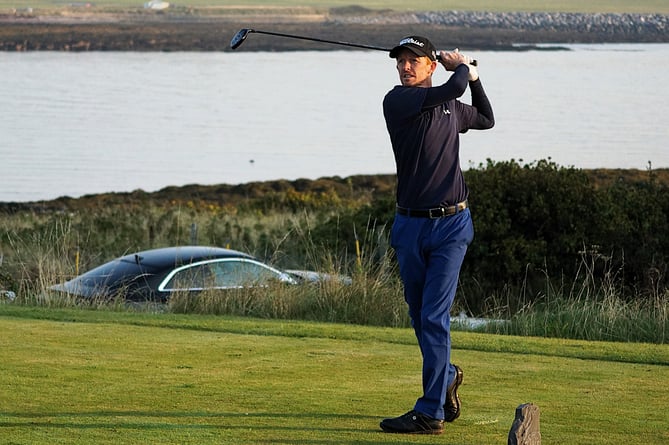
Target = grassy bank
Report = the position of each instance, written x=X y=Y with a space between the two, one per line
x=101 y=377
x=603 y=279
x=587 y=309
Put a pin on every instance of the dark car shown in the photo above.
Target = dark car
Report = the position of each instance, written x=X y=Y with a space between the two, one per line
x=152 y=275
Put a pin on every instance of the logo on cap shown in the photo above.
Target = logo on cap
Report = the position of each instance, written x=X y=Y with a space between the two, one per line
x=411 y=40
x=420 y=46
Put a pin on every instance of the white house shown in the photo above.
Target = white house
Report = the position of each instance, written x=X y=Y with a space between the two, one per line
x=156 y=5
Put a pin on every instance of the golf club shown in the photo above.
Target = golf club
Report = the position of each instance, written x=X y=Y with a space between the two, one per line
x=242 y=34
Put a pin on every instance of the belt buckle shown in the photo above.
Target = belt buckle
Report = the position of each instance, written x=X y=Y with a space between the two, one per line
x=440 y=213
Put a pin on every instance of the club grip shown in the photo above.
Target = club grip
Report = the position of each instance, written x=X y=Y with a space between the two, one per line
x=474 y=62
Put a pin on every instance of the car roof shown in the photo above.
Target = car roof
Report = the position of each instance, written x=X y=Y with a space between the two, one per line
x=171 y=256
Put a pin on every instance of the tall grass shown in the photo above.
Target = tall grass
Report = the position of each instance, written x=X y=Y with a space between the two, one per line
x=590 y=309
x=40 y=251
x=374 y=296
x=360 y=303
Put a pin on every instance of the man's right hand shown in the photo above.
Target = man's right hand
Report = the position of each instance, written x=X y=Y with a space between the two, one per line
x=452 y=59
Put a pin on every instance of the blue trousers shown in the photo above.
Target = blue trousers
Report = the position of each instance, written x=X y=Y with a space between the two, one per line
x=430 y=253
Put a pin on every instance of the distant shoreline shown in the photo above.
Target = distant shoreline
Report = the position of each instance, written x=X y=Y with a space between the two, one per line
x=185 y=30
x=379 y=185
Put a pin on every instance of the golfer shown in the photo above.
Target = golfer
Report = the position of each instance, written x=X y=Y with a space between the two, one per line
x=433 y=225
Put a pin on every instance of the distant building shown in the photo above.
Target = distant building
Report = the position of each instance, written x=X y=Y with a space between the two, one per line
x=156 y=5
x=23 y=11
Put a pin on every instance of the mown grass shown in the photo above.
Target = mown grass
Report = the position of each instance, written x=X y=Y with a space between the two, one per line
x=75 y=376
x=593 y=6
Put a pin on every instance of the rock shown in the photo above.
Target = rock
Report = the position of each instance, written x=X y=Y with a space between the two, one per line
x=525 y=428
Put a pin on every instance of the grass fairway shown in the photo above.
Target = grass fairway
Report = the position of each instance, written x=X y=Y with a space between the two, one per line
x=70 y=376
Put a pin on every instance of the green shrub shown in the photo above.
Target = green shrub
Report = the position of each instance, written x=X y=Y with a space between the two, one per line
x=539 y=220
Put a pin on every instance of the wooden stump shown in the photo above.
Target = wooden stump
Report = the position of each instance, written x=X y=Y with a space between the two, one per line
x=525 y=428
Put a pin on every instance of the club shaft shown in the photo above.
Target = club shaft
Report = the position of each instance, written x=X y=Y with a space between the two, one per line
x=314 y=39
x=334 y=42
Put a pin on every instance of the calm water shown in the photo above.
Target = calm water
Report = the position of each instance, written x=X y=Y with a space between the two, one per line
x=76 y=124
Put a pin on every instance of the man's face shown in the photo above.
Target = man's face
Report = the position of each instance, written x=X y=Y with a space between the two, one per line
x=415 y=71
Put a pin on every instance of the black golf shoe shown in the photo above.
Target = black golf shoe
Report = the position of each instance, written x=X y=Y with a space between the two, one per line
x=452 y=405
x=413 y=422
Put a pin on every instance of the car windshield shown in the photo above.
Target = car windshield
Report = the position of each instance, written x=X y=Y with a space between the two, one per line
x=221 y=274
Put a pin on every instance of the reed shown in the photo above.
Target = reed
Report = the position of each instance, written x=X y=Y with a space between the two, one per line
x=373 y=297
x=41 y=250
x=589 y=309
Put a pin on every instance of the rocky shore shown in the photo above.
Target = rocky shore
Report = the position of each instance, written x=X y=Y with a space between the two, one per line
x=651 y=27
x=189 y=30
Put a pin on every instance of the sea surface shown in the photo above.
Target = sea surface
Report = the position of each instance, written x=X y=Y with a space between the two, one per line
x=85 y=123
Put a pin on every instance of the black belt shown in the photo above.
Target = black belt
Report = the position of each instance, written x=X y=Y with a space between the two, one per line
x=437 y=212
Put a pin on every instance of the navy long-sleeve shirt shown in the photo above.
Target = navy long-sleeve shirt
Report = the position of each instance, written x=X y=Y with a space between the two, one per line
x=424 y=126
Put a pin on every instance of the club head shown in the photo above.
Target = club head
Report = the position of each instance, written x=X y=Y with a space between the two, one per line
x=239 y=38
